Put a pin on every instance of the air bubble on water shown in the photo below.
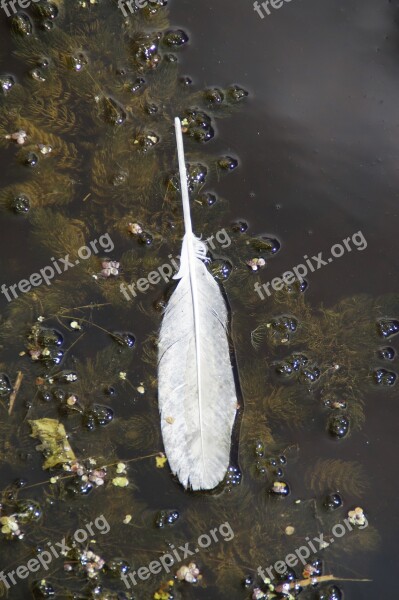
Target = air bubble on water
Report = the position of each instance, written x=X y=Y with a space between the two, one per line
x=214 y=96
x=197 y=125
x=227 y=163
x=111 y=111
x=206 y=199
x=338 y=426
x=6 y=83
x=384 y=378
x=78 y=61
x=37 y=75
x=20 y=204
x=175 y=38
x=146 y=51
x=235 y=93
x=221 y=269
x=124 y=339
x=5 y=385
x=386 y=353
x=21 y=24
x=387 y=328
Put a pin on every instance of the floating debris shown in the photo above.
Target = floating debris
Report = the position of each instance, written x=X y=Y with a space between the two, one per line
x=338 y=426
x=388 y=327
x=19 y=136
x=280 y=488
x=120 y=481
x=189 y=573
x=135 y=228
x=357 y=517
x=54 y=442
x=256 y=263
x=110 y=267
x=160 y=461
x=164 y=517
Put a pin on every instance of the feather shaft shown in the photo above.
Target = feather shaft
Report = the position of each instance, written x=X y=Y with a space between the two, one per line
x=197 y=397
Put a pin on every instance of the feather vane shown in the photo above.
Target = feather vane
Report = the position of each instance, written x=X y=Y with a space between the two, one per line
x=196 y=387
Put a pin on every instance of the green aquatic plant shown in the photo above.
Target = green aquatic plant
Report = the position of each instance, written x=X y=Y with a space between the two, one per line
x=88 y=133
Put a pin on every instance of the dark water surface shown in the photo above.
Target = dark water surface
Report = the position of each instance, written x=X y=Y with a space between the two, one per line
x=318 y=147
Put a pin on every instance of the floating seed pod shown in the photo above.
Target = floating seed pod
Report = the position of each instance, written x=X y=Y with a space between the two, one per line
x=384 y=377
x=338 y=426
x=388 y=327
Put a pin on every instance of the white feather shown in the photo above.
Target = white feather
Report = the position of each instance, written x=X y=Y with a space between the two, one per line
x=196 y=388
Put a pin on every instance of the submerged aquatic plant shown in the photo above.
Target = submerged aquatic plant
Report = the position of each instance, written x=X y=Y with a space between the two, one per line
x=89 y=137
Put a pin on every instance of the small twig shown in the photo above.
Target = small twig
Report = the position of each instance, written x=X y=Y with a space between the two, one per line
x=15 y=391
x=321 y=579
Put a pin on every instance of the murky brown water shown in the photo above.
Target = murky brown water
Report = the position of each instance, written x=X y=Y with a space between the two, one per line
x=317 y=145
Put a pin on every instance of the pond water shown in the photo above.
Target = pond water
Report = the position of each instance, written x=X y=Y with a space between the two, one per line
x=316 y=144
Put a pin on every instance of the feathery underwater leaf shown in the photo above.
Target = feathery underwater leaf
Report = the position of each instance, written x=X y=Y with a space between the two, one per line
x=197 y=397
